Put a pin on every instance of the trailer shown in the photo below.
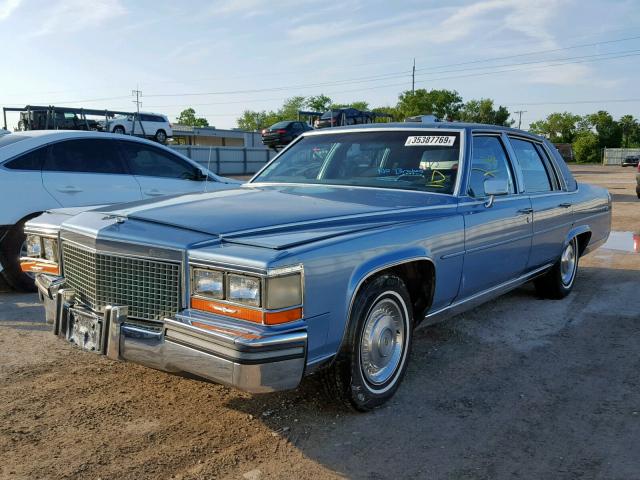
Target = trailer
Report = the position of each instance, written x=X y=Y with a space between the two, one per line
x=36 y=117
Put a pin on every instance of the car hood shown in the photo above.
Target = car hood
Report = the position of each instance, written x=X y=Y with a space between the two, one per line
x=282 y=216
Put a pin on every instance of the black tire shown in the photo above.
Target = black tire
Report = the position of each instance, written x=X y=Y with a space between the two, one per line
x=10 y=259
x=161 y=136
x=119 y=130
x=638 y=191
x=346 y=379
x=558 y=283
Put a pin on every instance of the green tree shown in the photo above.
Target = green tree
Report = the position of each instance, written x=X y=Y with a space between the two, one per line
x=359 y=105
x=444 y=104
x=586 y=147
x=630 y=131
x=608 y=130
x=255 y=121
x=393 y=111
x=482 y=111
x=318 y=103
x=290 y=108
x=557 y=127
x=188 y=117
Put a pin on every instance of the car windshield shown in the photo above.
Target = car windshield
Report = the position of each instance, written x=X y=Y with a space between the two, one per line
x=423 y=160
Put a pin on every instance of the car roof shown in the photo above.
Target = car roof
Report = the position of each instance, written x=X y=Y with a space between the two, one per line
x=31 y=139
x=427 y=125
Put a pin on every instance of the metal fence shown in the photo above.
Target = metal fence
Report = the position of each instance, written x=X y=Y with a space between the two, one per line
x=228 y=160
x=614 y=156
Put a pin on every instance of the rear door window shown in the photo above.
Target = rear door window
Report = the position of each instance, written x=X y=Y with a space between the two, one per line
x=537 y=177
x=85 y=156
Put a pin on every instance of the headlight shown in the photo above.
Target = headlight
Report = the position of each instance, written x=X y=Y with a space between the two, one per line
x=208 y=283
x=50 y=249
x=283 y=292
x=240 y=296
x=34 y=246
x=243 y=289
x=42 y=255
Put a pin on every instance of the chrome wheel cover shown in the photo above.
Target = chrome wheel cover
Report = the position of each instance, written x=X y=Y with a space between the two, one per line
x=568 y=263
x=383 y=341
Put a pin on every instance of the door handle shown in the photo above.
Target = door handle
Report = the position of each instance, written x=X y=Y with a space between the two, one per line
x=69 y=189
x=525 y=211
x=565 y=205
x=154 y=193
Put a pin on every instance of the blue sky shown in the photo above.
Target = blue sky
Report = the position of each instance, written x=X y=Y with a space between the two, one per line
x=224 y=56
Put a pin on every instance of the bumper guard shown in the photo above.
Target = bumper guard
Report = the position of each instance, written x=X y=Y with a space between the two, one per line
x=254 y=359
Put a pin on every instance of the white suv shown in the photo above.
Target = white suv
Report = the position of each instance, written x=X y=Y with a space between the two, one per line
x=47 y=169
x=150 y=125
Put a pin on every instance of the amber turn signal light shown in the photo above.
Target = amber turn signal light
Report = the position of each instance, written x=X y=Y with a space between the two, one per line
x=249 y=314
x=35 y=266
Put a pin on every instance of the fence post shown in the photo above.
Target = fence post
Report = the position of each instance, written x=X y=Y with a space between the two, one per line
x=189 y=152
x=244 y=161
x=217 y=161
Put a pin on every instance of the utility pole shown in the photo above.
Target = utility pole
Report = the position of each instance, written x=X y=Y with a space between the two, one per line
x=520 y=112
x=137 y=93
x=138 y=102
x=413 y=77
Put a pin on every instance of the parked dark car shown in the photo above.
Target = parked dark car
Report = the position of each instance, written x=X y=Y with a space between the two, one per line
x=283 y=133
x=344 y=117
x=631 y=161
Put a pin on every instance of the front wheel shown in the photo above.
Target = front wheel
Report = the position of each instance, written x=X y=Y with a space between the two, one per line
x=119 y=130
x=558 y=282
x=370 y=367
x=14 y=247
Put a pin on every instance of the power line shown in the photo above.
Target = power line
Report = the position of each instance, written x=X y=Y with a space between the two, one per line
x=553 y=50
x=380 y=77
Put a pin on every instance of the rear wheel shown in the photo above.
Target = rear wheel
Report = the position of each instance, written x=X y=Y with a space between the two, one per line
x=558 y=282
x=119 y=130
x=161 y=136
x=13 y=247
x=369 y=369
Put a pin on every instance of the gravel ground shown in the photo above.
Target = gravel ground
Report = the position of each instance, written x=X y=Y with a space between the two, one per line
x=517 y=388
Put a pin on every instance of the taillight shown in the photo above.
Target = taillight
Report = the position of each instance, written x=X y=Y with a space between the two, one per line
x=281 y=131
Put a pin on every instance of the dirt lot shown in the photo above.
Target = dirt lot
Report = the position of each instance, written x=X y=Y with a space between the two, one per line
x=518 y=388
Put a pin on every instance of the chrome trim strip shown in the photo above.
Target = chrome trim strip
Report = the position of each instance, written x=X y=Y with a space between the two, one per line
x=497 y=244
x=483 y=296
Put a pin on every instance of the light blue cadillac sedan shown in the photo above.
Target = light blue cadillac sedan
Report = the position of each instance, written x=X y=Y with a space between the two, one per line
x=325 y=262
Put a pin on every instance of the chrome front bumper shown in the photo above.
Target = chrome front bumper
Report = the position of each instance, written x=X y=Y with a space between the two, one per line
x=254 y=359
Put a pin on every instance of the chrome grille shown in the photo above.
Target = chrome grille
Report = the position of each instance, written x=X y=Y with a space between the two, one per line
x=150 y=288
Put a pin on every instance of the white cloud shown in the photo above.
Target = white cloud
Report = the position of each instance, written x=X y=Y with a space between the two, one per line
x=75 y=15
x=7 y=7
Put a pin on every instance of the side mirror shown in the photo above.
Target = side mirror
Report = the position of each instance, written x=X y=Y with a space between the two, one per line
x=495 y=187
x=201 y=176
